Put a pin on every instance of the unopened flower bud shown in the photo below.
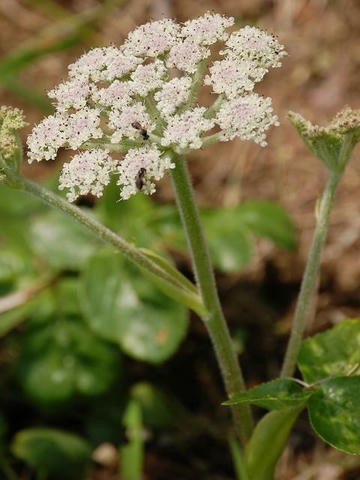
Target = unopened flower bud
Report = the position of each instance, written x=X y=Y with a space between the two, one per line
x=333 y=144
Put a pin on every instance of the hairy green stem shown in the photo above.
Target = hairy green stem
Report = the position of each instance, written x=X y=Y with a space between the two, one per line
x=310 y=276
x=214 y=321
x=195 y=86
x=215 y=107
x=163 y=274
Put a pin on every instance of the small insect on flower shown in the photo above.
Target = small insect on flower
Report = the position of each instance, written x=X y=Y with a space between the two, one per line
x=139 y=179
x=142 y=130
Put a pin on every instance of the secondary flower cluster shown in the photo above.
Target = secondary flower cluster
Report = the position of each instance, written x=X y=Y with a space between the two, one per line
x=141 y=100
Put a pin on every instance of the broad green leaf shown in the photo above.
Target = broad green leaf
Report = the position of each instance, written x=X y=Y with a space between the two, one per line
x=229 y=241
x=122 y=306
x=56 y=453
x=64 y=359
x=275 y=395
x=155 y=406
x=334 y=411
x=335 y=352
x=267 y=219
x=60 y=241
x=132 y=454
x=267 y=443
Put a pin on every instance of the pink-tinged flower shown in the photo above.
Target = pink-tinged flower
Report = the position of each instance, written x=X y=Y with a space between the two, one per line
x=148 y=78
x=173 y=94
x=87 y=172
x=117 y=95
x=150 y=162
x=71 y=94
x=122 y=122
x=246 y=117
x=186 y=55
x=208 y=29
x=252 y=44
x=47 y=137
x=152 y=39
x=184 y=129
x=233 y=78
x=83 y=126
x=131 y=99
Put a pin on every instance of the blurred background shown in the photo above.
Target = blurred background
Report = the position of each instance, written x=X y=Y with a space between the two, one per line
x=258 y=285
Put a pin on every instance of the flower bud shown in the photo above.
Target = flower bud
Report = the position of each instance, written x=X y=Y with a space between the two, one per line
x=333 y=144
x=11 y=120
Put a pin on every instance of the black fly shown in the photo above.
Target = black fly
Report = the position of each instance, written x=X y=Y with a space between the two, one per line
x=139 y=179
x=143 y=131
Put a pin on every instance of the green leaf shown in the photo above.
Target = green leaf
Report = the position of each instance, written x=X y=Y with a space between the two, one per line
x=60 y=241
x=275 y=395
x=132 y=454
x=335 y=352
x=64 y=359
x=229 y=241
x=53 y=452
x=334 y=411
x=123 y=307
x=267 y=219
x=267 y=443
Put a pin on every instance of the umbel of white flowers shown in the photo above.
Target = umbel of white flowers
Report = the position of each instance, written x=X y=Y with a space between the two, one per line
x=140 y=101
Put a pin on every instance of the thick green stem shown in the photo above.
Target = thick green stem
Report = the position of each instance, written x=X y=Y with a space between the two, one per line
x=163 y=274
x=310 y=276
x=214 y=321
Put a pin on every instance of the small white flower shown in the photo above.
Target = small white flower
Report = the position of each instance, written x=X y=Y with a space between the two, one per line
x=87 y=172
x=153 y=163
x=207 y=29
x=117 y=95
x=93 y=62
x=47 y=137
x=147 y=78
x=152 y=39
x=173 y=93
x=246 y=117
x=184 y=129
x=253 y=44
x=186 y=55
x=121 y=121
x=82 y=126
x=71 y=94
x=233 y=78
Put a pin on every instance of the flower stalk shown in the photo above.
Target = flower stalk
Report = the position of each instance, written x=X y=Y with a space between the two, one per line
x=214 y=320
x=310 y=276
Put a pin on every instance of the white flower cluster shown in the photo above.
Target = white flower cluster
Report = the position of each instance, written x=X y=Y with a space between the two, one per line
x=130 y=101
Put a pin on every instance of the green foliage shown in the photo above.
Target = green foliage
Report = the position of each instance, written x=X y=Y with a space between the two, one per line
x=335 y=352
x=334 y=412
x=123 y=307
x=230 y=230
x=63 y=359
x=329 y=359
x=60 y=241
x=275 y=395
x=53 y=452
x=268 y=442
